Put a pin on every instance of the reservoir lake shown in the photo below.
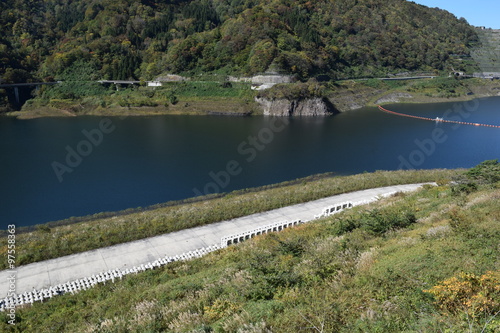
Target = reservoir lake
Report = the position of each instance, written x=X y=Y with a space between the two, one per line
x=55 y=168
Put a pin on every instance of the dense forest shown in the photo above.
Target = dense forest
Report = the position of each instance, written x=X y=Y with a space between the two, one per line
x=124 y=39
x=132 y=39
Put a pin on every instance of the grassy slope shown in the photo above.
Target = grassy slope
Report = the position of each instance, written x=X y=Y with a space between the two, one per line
x=193 y=98
x=46 y=243
x=348 y=273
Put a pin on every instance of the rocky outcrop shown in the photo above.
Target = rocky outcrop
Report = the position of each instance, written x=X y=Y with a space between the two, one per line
x=304 y=107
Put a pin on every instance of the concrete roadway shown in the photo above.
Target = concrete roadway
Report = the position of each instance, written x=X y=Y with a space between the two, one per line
x=69 y=268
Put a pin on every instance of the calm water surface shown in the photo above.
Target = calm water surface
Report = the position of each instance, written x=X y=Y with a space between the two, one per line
x=140 y=161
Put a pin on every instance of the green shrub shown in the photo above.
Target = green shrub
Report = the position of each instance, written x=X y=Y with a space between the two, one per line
x=463 y=188
x=345 y=225
x=293 y=91
x=375 y=83
x=460 y=220
x=378 y=222
x=173 y=99
x=43 y=228
x=487 y=172
x=294 y=247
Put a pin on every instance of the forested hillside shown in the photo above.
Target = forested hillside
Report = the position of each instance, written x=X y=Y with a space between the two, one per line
x=122 y=39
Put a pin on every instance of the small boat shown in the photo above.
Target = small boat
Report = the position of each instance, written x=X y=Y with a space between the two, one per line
x=438 y=119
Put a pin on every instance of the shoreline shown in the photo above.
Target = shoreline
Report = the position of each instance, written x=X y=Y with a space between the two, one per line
x=431 y=100
x=185 y=110
x=356 y=100
x=351 y=95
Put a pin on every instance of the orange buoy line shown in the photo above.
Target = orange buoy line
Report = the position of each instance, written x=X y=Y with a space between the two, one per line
x=436 y=119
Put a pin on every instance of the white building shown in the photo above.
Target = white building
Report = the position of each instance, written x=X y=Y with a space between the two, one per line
x=154 y=84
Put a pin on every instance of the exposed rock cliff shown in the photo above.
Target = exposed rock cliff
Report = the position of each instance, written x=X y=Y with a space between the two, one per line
x=304 y=107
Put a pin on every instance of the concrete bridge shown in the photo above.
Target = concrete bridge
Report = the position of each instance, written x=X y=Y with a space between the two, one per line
x=119 y=83
x=16 y=87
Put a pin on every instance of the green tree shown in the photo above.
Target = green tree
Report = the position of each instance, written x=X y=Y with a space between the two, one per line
x=261 y=56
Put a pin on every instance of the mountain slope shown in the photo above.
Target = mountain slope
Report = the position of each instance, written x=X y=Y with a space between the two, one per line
x=140 y=39
x=488 y=55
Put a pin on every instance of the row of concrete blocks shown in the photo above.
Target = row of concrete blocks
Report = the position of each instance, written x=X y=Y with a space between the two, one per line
x=241 y=237
x=330 y=210
x=88 y=282
x=279 y=226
